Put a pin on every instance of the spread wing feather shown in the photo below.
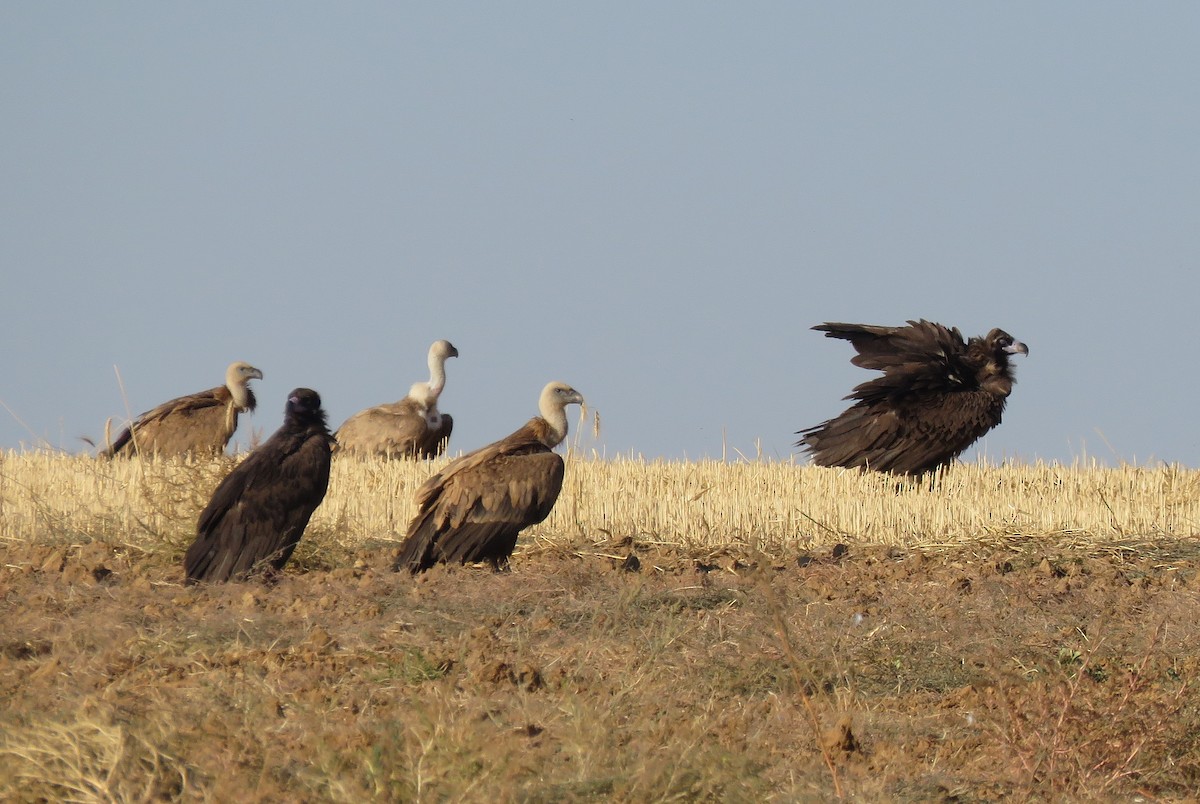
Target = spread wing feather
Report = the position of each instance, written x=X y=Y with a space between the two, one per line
x=922 y=356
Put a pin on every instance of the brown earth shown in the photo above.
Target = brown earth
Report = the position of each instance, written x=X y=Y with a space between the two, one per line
x=1025 y=669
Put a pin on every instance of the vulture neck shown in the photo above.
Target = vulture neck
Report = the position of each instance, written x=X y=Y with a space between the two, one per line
x=308 y=420
x=555 y=417
x=437 y=374
x=239 y=392
x=998 y=381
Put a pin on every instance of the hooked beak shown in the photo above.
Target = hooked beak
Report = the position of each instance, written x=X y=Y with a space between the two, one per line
x=1017 y=348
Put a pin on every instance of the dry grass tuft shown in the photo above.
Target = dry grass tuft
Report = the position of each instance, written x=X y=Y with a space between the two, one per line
x=88 y=760
x=1050 y=720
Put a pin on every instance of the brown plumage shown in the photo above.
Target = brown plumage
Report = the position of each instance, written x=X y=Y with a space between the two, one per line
x=474 y=508
x=412 y=427
x=200 y=424
x=395 y=430
x=259 y=511
x=937 y=395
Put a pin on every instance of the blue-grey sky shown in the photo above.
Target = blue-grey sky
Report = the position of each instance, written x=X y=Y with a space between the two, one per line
x=653 y=202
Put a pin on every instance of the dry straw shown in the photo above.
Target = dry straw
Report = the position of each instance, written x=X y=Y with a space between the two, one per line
x=771 y=506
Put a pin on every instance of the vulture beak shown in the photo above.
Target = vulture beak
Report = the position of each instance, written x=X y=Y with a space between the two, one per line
x=1017 y=348
x=254 y=374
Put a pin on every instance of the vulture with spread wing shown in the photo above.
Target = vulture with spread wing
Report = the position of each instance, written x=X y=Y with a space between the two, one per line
x=259 y=511
x=412 y=427
x=200 y=423
x=474 y=508
x=937 y=395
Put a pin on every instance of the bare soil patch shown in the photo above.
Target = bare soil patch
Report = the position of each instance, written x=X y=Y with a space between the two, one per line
x=1026 y=668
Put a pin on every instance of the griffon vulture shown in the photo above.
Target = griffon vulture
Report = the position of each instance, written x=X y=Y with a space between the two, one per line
x=200 y=423
x=259 y=511
x=474 y=508
x=412 y=427
x=937 y=395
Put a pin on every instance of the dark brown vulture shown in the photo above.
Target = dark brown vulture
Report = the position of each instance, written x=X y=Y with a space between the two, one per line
x=937 y=395
x=412 y=427
x=200 y=424
x=259 y=511
x=474 y=508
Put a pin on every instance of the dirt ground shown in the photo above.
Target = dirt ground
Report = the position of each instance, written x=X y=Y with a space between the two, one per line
x=1024 y=669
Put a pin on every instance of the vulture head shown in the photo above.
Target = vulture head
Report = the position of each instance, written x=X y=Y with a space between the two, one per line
x=236 y=377
x=304 y=406
x=553 y=407
x=992 y=352
x=1006 y=343
x=440 y=350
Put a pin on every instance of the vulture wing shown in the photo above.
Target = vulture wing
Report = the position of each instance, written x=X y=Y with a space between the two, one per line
x=474 y=508
x=392 y=430
x=922 y=356
x=200 y=423
x=910 y=438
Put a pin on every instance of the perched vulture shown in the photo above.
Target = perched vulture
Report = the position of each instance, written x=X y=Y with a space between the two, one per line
x=412 y=427
x=200 y=423
x=937 y=395
x=258 y=512
x=474 y=508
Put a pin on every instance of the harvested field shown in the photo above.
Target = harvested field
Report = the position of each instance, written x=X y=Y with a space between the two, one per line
x=674 y=631
x=767 y=506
